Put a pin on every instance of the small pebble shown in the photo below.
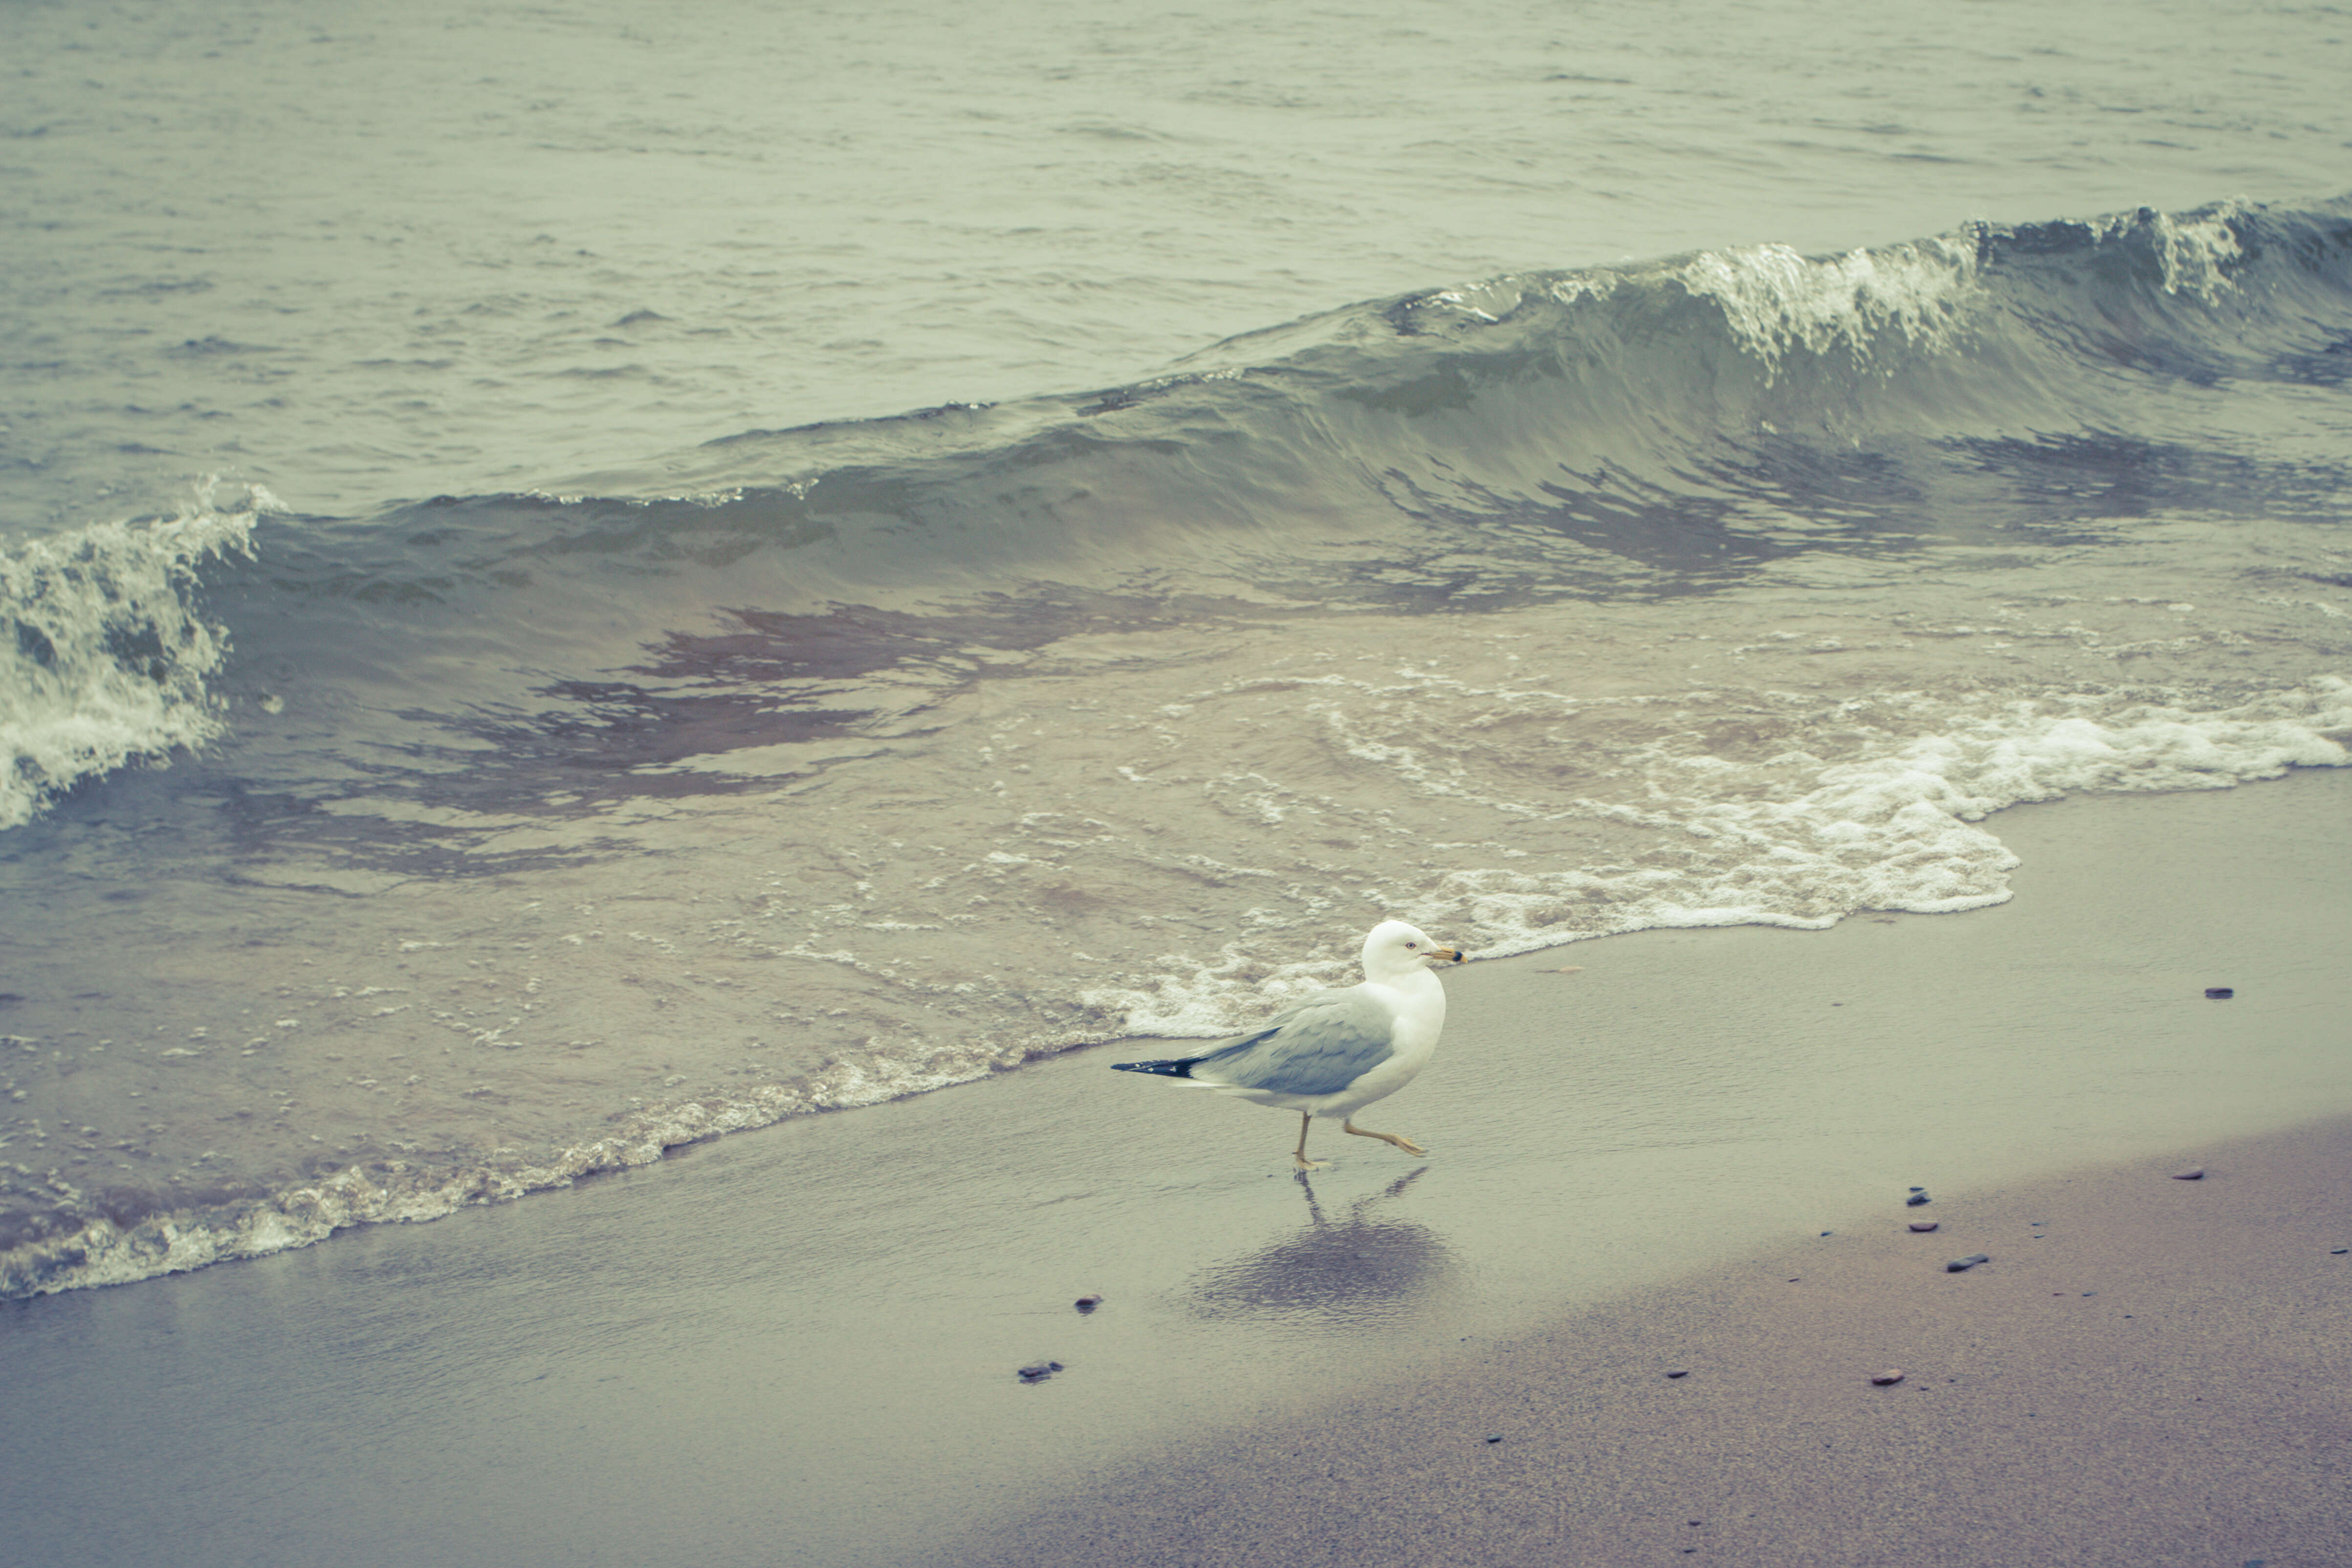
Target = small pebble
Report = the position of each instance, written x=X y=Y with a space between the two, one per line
x=2338 y=1251
x=1087 y=1303
x=2219 y=993
x=1916 y=1199
x=2196 y=1175
x=1038 y=1372
x=1961 y=1264
x=1494 y=1436
x=1684 y=1373
x=1892 y=1374
x=1924 y=1226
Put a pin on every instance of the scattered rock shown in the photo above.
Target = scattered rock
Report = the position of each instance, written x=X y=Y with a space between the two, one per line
x=1686 y=1372
x=1494 y=1436
x=1924 y=1226
x=2338 y=1251
x=1038 y=1372
x=1962 y=1264
x=1892 y=1374
x=2219 y=993
x=1087 y=1303
x=2196 y=1175
x=1918 y=1195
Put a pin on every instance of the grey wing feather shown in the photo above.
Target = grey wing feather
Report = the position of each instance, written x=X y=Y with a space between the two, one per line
x=1319 y=1047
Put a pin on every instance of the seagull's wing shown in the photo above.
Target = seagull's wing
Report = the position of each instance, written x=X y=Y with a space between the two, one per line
x=1318 y=1046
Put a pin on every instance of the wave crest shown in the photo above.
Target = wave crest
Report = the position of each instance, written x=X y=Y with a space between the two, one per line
x=104 y=656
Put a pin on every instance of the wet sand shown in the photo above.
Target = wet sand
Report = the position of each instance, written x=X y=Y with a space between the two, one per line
x=799 y=1346
x=2145 y=1370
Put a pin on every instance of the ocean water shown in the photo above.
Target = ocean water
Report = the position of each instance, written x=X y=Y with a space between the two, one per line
x=497 y=683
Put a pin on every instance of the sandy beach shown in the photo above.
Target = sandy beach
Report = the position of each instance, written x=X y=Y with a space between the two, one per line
x=2145 y=1370
x=800 y=1346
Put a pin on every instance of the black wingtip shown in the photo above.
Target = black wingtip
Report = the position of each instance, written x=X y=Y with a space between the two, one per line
x=1182 y=1068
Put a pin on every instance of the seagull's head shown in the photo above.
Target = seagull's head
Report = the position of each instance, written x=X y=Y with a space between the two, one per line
x=1394 y=948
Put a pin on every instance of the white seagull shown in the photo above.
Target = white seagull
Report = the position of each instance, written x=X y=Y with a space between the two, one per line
x=1335 y=1052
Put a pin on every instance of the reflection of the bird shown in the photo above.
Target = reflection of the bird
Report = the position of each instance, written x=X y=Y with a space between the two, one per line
x=1360 y=1268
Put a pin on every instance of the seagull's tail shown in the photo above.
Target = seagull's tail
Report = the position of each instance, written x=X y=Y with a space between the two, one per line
x=1178 y=1066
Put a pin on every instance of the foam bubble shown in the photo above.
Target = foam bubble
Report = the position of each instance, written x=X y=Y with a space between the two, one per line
x=104 y=1251
x=102 y=655
x=2199 y=249
x=1782 y=840
x=1776 y=300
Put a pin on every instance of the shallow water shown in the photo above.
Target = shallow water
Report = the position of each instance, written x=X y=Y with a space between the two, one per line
x=545 y=790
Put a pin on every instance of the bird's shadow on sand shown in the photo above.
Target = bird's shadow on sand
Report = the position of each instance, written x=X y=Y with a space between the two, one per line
x=1357 y=1266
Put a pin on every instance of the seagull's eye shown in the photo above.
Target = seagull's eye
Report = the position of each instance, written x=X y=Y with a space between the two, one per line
x=1413 y=944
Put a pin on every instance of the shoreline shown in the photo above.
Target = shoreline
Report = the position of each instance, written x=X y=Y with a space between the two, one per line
x=798 y=1345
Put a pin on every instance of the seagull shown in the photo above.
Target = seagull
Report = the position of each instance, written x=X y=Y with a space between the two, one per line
x=1335 y=1052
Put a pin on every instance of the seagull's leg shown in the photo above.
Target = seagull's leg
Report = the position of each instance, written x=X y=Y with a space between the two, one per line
x=1407 y=1144
x=1306 y=1120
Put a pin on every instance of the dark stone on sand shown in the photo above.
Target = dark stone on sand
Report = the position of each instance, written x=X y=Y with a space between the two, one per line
x=1684 y=1373
x=1917 y=1197
x=1924 y=1226
x=2219 y=993
x=2338 y=1251
x=1087 y=1303
x=1038 y=1372
x=1494 y=1436
x=1892 y=1374
x=1961 y=1264
x=2196 y=1175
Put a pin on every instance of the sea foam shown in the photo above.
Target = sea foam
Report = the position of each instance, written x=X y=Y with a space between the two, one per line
x=103 y=655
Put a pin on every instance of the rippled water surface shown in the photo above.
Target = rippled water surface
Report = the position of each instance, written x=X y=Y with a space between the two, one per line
x=453 y=249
